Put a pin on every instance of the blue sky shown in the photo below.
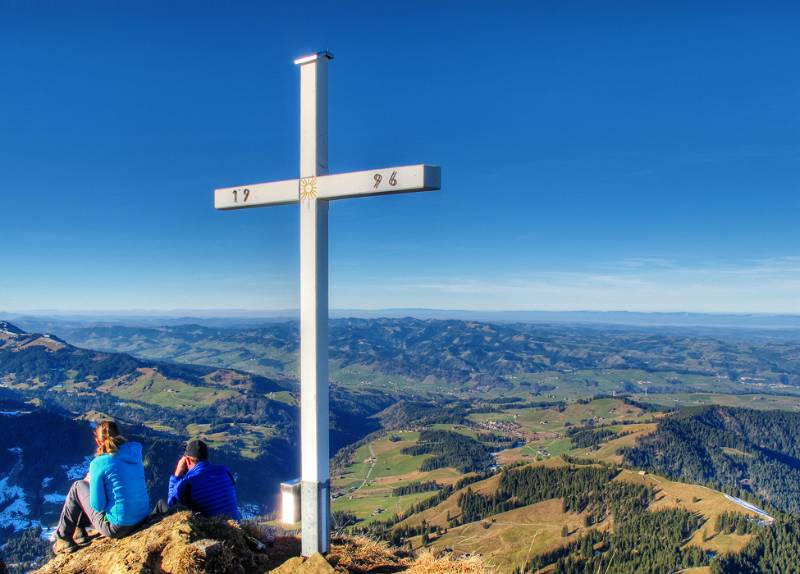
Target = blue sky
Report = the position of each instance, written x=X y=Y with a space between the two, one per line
x=617 y=156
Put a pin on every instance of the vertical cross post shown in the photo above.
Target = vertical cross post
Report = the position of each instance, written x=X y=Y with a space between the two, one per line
x=313 y=190
x=314 y=392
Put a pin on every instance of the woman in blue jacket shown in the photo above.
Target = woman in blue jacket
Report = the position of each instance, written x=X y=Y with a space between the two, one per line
x=112 y=498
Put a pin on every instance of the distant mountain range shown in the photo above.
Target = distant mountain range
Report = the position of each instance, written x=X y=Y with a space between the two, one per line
x=462 y=353
x=243 y=317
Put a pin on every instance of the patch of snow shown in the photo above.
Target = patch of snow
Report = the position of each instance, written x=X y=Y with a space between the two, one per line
x=46 y=481
x=13 y=413
x=55 y=498
x=8 y=492
x=748 y=506
x=14 y=509
x=15 y=450
x=77 y=471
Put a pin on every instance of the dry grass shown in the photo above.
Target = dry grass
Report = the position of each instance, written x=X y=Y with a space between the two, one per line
x=360 y=554
x=430 y=563
x=167 y=546
x=509 y=539
x=608 y=450
x=695 y=498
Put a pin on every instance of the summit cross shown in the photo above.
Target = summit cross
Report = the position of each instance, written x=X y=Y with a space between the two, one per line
x=312 y=191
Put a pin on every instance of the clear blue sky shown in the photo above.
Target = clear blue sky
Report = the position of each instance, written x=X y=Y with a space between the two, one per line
x=639 y=156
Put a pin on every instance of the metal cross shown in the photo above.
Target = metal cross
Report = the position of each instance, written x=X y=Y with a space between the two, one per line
x=313 y=190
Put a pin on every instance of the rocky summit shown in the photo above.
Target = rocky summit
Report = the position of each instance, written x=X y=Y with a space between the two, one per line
x=185 y=543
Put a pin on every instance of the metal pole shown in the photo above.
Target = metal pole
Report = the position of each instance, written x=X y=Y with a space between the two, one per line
x=314 y=414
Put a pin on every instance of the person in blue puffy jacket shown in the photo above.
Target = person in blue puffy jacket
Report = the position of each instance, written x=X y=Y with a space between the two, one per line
x=112 y=498
x=209 y=489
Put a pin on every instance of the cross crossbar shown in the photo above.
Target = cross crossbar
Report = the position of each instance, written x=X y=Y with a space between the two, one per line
x=383 y=181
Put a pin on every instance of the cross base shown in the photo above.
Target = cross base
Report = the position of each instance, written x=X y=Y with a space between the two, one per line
x=316 y=515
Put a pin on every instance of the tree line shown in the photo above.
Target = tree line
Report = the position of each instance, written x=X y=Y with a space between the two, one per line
x=450 y=449
x=415 y=487
x=749 y=453
x=773 y=550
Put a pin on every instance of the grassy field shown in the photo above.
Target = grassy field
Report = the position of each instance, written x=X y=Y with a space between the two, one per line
x=609 y=449
x=285 y=397
x=360 y=377
x=438 y=515
x=378 y=467
x=536 y=420
x=545 y=429
x=509 y=539
x=154 y=388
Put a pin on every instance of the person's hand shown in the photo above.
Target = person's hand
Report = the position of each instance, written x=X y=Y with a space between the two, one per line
x=182 y=468
x=87 y=477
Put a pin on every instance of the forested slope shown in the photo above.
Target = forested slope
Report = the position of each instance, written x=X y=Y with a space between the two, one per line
x=737 y=450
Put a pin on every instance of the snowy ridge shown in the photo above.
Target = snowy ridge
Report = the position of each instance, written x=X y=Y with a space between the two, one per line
x=78 y=471
x=14 y=508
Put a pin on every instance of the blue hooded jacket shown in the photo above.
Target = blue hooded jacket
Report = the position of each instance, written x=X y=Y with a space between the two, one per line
x=208 y=489
x=117 y=486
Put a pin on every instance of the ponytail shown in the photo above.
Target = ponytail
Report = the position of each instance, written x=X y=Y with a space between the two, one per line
x=108 y=438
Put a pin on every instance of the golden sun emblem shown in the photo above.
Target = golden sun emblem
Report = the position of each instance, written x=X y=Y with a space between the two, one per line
x=308 y=188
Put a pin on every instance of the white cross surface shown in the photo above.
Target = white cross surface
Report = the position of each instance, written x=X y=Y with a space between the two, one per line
x=312 y=191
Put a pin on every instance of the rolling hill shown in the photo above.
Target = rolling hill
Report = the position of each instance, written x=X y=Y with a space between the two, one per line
x=51 y=391
x=403 y=356
x=745 y=451
x=539 y=511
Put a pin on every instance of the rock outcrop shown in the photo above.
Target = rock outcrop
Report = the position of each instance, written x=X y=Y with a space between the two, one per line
x=188 y=544
x=179 y=544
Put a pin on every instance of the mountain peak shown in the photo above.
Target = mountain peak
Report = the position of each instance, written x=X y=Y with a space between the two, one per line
x=6 y=327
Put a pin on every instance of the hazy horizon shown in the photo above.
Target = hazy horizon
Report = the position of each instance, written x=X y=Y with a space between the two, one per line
x=242 y=317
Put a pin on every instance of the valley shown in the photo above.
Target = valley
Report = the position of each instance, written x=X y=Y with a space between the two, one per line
x=456 y=435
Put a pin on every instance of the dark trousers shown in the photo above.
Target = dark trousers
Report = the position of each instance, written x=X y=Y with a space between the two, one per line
x=161 y=508
x=78 y=513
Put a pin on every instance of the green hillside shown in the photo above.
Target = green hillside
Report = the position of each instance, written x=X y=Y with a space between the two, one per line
x=416 y=355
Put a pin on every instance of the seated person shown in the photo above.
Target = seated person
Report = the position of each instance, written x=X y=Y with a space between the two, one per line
x=201 y=486
x=112 y=498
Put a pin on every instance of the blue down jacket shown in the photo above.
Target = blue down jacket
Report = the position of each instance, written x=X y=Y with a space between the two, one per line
x=207 y=488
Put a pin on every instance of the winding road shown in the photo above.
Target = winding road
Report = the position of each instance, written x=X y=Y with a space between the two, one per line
x=374 y=459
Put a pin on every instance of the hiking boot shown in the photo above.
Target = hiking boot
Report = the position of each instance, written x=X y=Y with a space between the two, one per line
x=254 y=543
x=64 y=546
x=82 y=538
